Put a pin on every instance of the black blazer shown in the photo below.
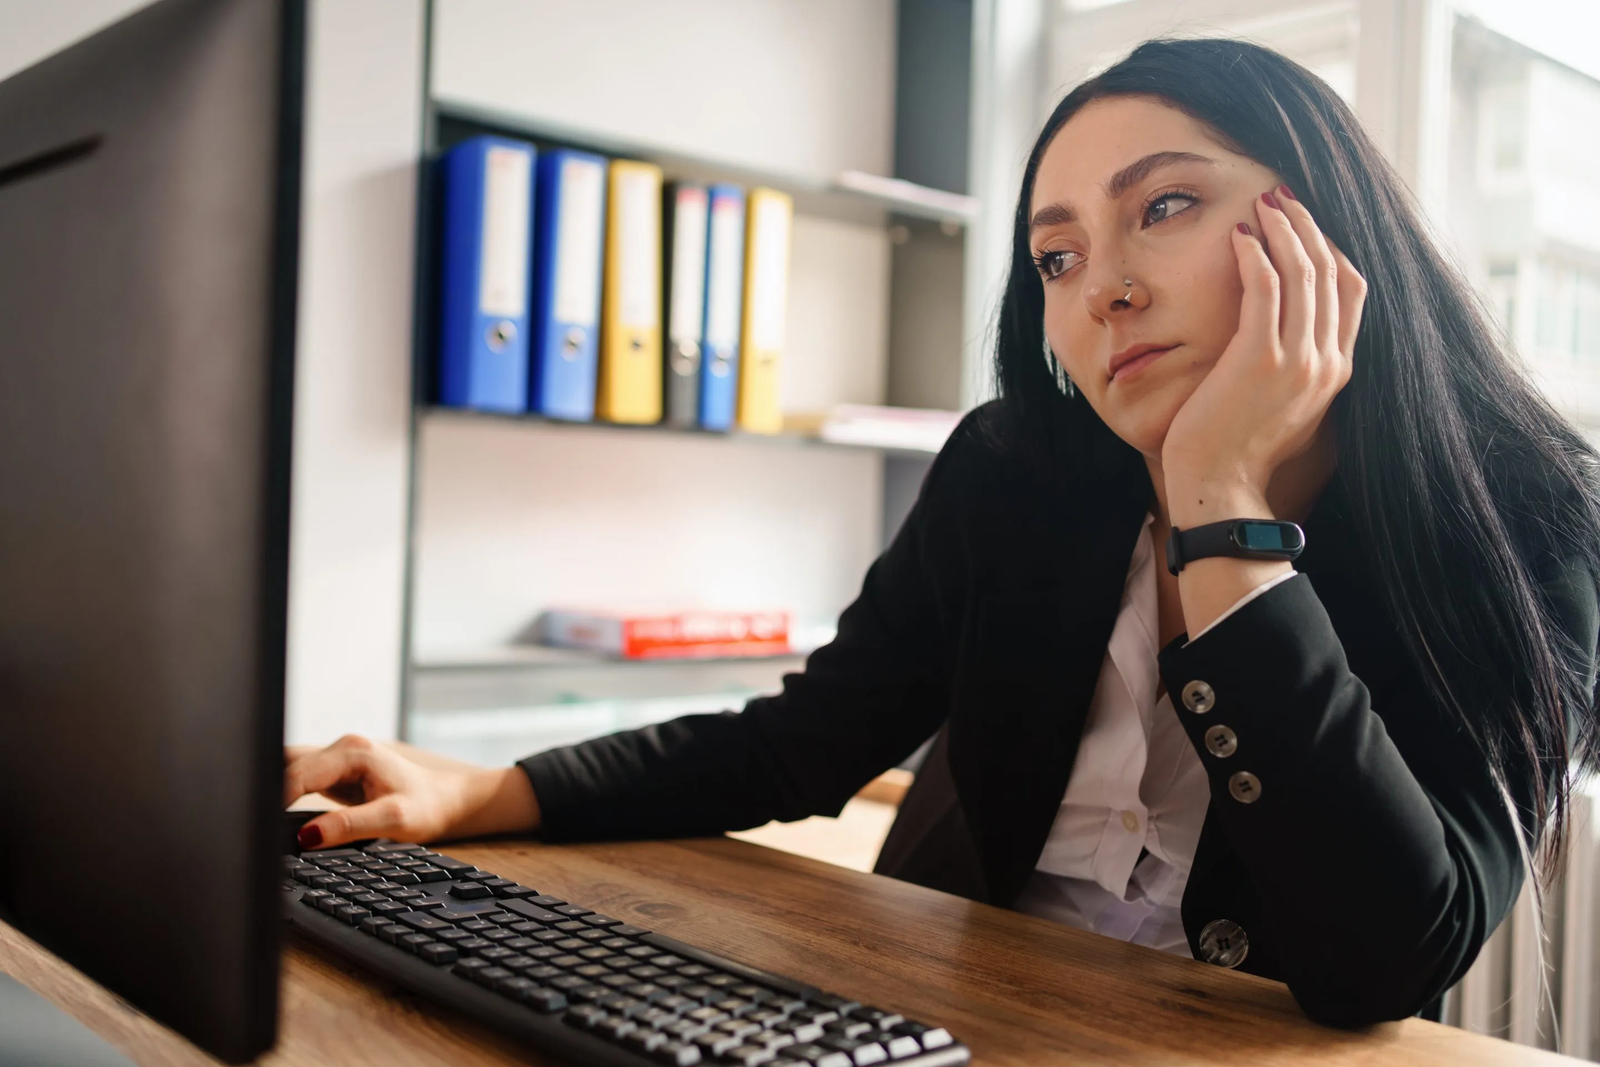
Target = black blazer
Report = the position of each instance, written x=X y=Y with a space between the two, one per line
x=1372 y=856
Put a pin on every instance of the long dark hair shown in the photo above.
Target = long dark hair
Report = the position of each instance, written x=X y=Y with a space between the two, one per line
x=1461 y=477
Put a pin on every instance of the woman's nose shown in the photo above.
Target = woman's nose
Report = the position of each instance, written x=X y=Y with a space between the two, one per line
x=1109 y=294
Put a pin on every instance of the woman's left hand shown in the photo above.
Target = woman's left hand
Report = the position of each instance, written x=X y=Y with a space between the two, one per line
x=1265 y=398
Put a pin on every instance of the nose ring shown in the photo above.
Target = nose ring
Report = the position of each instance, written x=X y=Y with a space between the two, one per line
x=1128 y=299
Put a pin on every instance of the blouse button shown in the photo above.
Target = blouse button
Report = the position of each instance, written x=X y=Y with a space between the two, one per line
x=1245 y=787
x=1198 y=697
x=1221 y=741
x=1224 y=943
x=1130 y=822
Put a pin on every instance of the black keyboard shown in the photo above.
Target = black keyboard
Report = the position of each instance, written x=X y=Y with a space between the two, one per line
x=576 y=984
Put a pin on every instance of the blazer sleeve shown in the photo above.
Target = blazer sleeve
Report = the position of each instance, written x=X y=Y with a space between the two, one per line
x=863 y=703
x=1383 y=851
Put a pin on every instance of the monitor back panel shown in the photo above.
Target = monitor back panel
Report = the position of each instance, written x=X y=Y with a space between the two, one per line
x=148 y=211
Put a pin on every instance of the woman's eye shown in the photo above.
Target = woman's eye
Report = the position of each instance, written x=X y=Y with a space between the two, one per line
x=1055 y=264
x=1161 y=208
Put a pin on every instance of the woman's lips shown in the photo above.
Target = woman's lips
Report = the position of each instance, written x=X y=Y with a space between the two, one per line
x=1140 y=362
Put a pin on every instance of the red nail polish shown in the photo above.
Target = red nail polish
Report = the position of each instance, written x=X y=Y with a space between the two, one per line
x=1270 y=200
x=1244 y=229
x=1287 y=192
x=310 y=836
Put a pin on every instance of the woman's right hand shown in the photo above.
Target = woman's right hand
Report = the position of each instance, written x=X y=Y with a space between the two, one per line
x=404 y=794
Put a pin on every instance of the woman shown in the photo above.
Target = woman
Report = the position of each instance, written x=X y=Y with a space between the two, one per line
x=1221 y=306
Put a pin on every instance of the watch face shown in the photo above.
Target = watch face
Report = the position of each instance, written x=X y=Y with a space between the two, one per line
x=1268 y=536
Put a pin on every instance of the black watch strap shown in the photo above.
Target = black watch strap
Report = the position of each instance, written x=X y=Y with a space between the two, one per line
x=1238 y=538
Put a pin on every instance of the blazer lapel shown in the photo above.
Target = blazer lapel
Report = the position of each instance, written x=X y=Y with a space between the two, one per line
x=1031 y=656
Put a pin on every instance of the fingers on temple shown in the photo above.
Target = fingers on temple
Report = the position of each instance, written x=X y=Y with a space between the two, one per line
x=1258 y=311
x=1325 y=287
x=1296 y=273
x=346 y=760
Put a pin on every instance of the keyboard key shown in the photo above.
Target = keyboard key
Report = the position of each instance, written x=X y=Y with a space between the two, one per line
x=418 y=920
x=734 y=1006
x=469 y=891
x=547 y=1001
x=572 y=911
x=544 y=974
x=629 y=931
x=722 y=981
x=645 y=1040
x=497 y=883
x=669 y=961
x=352 y=913
x=570 y=944
x=703 y=993
x=310 y=897
x=678 y=1054
x=503 y=918
x=673 y=982
x=371 y=924
x=520 y=944
x=468 y=967
x=438 y=952
x=739 y=1028
x=498 y=934
x=804 y=1033
x=454 y=866
x=329 y=881
x=786 y=1004
x=428 y=904
x=593 y=972
x=863 y=1053
x=491 y=976
x=820 y=1016
x=546 y=901
x=614 y=1028
x=849 y=1028
x=715 y=1043
x=303 y=875
x=765 y=1017
x=413 y=942
x=571 y=926
x=584 y=1016
x=349 y=890
x=750 y=1055
x=519 y=964
x=514 y=891
x=494 y=954
x=329 y=856
x=474 y=945
x=600 y=920
x=514 y=987
x=393 y=932
x=568 y=961
x=594 y=936
x=384 y=886
x=883 y=1020
x=931 y=1037
x=588 y=994
x=646 y=972
x=430 y=874
x=597 y=954
x=645 y=991
x=901 y=1047
x=391 y=907
x=475 y=926
x=477 y=876
x=616 y=981
x=620 y=1004
x=641 y=952
x=404 y=878
x=461 y=911
x=838 y=1004
x=529 y=910
x=366 y=900
x=330 y=904
x=708 y=1015
x=380 y=848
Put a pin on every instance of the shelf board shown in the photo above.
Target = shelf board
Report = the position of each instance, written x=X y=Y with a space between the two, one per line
x=853 y=196
x=542 y=657
x=732 y=437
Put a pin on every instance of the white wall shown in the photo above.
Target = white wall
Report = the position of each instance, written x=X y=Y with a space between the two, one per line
x=351 y=445
x=353 y=380
x=513 y=518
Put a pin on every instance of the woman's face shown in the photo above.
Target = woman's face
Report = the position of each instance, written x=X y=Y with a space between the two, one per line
x=1133 y=190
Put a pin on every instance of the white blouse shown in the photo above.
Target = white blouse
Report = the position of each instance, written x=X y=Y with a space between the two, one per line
x=1137 y=789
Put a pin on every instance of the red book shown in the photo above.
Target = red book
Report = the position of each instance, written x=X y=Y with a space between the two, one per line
x=676 y=635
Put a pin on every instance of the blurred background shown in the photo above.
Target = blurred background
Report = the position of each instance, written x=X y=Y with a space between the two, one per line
x=433 y=537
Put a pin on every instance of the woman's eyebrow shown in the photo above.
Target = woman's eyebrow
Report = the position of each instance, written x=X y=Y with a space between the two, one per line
x=1120 y=182
x=1140 y=169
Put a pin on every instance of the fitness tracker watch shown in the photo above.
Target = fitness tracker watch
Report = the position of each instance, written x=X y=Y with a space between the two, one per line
x=1238 y=538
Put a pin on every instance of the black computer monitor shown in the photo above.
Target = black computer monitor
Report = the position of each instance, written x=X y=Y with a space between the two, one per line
x=149 y=208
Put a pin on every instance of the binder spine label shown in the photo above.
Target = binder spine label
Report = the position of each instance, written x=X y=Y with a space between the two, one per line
x=727 y=273
x=507 y=201
x=769 y=302
x=578 y=248
x=639 y=220
x=688 y=260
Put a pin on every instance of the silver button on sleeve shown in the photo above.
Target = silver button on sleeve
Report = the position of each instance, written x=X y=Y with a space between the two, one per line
x=1198 y=697
x=1223 y=942
x=1221 y=741
x=1245 y=787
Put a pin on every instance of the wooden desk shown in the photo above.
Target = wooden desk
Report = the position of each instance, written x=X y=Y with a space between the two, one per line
x=1018 y=990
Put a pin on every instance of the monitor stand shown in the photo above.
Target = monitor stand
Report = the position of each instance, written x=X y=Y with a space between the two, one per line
x=36 y=1033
